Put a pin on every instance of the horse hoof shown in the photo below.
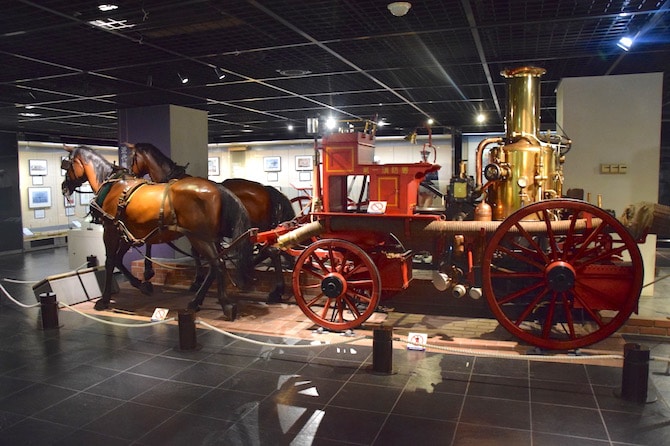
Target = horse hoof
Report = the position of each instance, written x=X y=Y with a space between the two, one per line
x=193 y=306
x=230 y=312
x=274 y=298
x=100 y=305
x=146 y=288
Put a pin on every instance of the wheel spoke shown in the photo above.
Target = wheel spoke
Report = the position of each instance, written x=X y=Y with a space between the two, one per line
x=530 y=307
x=520 y=293
x=589 y=239
x=351 y=305
x=532 y=241
x=549 y=320
x=550 y=235
x=605 y=255
x=596 y=317
x=314 y=301
x=520 y=258
x=568 y=316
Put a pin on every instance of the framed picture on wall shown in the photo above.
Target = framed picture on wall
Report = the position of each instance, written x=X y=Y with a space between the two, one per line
x=85 y=198
x=305 y=176
x=37 y=181
x=213 y=166
x=39 y=214
x=303 y=162
x=272 y=163
x=39 y=197
x=273 y=176
x=37 y=167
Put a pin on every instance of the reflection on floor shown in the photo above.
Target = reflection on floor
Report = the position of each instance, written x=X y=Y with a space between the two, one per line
x=92 y=383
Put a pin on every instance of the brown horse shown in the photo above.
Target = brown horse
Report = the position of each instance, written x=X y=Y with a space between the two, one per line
x=266 y=206
x=134 y=212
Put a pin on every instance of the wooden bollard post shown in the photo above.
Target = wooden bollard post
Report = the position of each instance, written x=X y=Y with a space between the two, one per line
x=635 y=373
x=49 y=307
x=187 y=336
x=382 y=350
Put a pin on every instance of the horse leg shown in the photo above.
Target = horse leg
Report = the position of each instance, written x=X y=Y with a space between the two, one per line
x=216 y=271
x=199 y=274
x=147 y=287
x=275 y=295
x=202 y=291
x=114 y=251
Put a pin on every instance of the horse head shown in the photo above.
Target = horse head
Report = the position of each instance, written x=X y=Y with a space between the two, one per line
x=75 y=175
x=83 y=164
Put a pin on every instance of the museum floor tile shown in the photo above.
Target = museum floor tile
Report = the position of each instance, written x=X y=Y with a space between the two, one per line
x=92 y=383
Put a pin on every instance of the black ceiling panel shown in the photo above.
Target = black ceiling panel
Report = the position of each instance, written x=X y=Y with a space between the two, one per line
x=286 y=60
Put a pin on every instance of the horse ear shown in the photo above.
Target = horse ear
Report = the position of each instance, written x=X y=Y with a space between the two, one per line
x=68 y=148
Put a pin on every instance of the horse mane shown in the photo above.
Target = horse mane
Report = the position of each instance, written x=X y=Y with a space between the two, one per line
x=165 y=163
x=282 y=209
x=235 y=222
x=102 y=167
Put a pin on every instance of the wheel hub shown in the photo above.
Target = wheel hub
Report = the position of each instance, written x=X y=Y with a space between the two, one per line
x=333 y=285
x=560 y=276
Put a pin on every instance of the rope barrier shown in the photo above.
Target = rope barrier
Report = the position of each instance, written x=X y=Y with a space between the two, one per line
x=529 y=357
x=20 y=304
x=118 y=324
x=269 y=344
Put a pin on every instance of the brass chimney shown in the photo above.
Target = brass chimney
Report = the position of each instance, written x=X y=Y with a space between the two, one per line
x=521 y=169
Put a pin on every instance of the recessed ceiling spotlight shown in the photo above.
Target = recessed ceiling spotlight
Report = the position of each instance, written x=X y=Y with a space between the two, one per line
x=29 y=114
x=219 y=74
x=290 y=127
x=625 y=43
x=481 y=118
x=183 y=79
x=108 y=7
x=430 y=121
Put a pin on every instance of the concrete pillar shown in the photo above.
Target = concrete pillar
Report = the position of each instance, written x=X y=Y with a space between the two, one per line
x=180 y=133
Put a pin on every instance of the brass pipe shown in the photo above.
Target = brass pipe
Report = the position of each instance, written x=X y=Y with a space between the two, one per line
x=480 y=154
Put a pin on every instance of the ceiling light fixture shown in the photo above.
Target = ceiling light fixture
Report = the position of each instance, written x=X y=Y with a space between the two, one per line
x=219 y=74
x=481 y=118
x=625 y=43
x=183 y=79
x=399 y=9
x=107 y=7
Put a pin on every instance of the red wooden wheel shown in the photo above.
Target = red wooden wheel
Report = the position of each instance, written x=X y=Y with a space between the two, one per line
x=301 y=204
x=336 y=284
x=567 y=284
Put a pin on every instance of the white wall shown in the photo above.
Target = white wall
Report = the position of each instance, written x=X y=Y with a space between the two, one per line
x=614 y=120
x=55 y=214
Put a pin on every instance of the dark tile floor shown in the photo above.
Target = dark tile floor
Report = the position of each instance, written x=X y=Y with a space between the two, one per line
x=91 y=383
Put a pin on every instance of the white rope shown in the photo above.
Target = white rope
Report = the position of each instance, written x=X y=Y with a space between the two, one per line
x=25 y=282
x=156 y=262
x=9 y=296
x=118 y=324
x=269 y=344
x=512 y=356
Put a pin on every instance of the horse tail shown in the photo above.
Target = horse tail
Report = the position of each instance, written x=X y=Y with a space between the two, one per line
x=282 y=209
x=235 y=222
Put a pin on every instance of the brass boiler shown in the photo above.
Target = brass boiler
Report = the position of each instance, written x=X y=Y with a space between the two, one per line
x=521 y=169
